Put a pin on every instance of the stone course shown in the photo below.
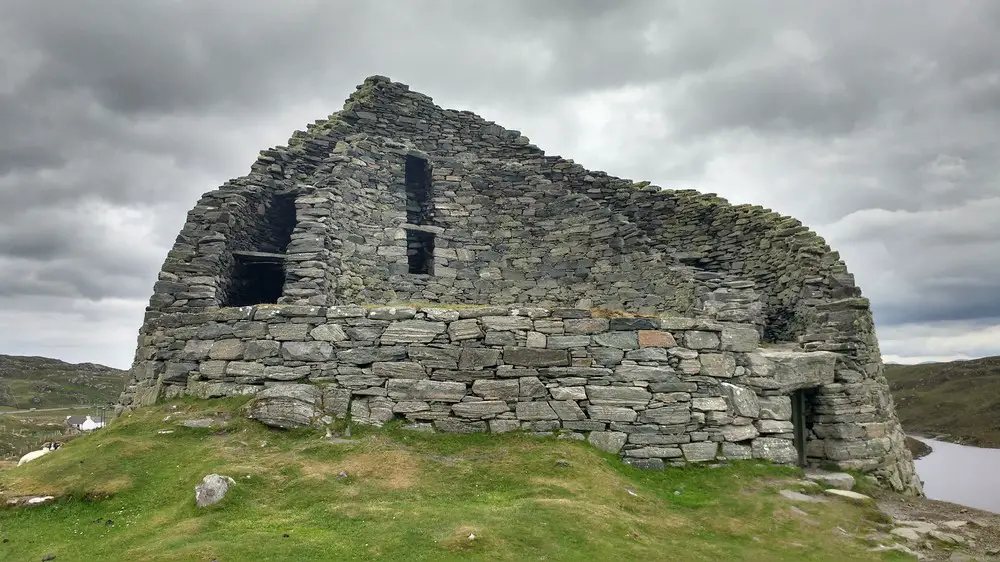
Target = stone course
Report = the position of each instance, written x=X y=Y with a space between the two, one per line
x=643 y=405
x=514 y=227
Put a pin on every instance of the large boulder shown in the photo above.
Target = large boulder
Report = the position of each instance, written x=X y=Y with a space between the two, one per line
x=287 y=405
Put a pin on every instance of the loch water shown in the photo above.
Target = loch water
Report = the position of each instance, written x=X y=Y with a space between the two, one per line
x=961 y=474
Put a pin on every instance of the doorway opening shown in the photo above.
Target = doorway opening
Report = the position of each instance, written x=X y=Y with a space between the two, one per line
x=802 y=420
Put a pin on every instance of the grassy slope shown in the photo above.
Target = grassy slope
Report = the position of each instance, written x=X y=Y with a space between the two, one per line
x=20 y=433
x=407 y=496
x=40 y=382
x=959 y=399
x=43 y=383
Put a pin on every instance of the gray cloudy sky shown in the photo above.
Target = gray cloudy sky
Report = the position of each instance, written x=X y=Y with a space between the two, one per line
x=873 y=122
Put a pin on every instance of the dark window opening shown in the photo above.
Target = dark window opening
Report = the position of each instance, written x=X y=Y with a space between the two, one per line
x=257 y=279
x=258 y=274
x=277 y=224
x=420 y=252
x=418 y=191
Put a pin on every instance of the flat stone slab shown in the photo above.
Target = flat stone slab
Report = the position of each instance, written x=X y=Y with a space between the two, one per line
x=412 y=331
x=907 y=533
x=848 y=494
x=786 y=371
x=529 y=357
x=839 y=480
x=800 y=497
x=922 y=527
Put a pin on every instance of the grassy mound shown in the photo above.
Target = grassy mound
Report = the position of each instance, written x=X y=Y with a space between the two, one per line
x=127 y=493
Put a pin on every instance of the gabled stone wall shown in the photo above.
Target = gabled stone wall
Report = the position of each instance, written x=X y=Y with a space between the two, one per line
x=684 y=252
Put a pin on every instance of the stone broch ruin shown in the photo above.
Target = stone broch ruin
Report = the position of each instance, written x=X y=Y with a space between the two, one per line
x=400 y=260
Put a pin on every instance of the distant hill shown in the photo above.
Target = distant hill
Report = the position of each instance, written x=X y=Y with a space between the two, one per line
x=958 y=400
x=40 y=382
x=37 y=393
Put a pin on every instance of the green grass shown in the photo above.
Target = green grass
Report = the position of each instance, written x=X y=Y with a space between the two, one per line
x=407 y=496
x=958 y=400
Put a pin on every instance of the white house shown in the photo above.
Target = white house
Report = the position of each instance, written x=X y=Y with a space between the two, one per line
x=85 y=423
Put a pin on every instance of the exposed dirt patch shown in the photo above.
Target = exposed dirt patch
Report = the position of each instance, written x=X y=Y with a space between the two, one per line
x=368 y=468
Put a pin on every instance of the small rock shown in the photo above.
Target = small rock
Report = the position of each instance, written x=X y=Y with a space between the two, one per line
x=213 y=488
x=38 y=500
x=562 y=463
x=955 y=524
x=342 y=475
x=48 y=557
x=109 y=523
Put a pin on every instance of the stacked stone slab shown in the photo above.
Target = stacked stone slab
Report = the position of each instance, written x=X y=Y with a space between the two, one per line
x=656 y=390
x=512 y=227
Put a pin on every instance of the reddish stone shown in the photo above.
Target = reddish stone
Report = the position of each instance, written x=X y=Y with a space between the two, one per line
x=656 y=338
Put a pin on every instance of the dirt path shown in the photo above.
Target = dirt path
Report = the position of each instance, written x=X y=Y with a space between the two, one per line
x=39 y=410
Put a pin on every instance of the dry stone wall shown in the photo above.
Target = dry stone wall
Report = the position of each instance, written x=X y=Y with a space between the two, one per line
x=511 y=227
x=655 y=390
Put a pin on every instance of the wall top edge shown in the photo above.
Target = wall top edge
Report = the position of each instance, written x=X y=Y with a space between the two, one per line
x=442 y=312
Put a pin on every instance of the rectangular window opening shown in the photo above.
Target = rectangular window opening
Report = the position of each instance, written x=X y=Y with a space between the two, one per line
x=419 y=207
x=257 y=279
x=258 y=275
x=420 y=252
x=279 y=223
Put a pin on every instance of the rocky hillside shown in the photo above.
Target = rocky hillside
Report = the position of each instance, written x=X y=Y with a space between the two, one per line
x=958 y=401
x=40 y=382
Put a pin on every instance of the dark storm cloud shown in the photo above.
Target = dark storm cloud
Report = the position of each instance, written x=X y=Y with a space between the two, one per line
x=117 y=115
